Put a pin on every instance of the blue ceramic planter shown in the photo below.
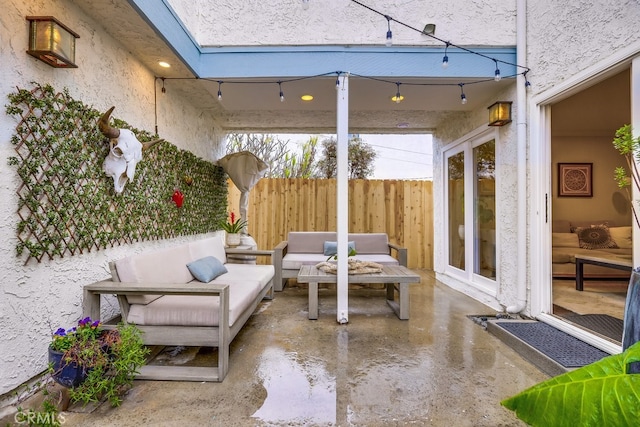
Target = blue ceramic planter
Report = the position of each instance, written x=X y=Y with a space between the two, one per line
x=66 y=374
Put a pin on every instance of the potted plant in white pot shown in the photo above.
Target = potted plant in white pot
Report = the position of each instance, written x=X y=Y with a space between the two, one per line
x=233 y=229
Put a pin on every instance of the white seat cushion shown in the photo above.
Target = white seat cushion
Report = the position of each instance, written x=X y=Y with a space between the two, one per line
x=237 y=273
x=168 y=265
x=192 y=310
x=211 y=246
x=293 y=261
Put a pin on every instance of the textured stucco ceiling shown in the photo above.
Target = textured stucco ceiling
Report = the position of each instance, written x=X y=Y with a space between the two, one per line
x=250 y=107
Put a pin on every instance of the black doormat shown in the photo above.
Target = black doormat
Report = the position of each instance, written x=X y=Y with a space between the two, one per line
x=603 y=324
x=566 y=350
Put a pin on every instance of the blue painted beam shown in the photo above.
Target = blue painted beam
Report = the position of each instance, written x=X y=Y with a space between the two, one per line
x=367 y=61
x=301 y=61
x=161 y=17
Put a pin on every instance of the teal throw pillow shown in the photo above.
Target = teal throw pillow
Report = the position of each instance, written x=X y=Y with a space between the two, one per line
x=206 y=269
x=331 y=248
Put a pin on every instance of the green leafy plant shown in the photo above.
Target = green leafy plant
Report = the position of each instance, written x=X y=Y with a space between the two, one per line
x=232 y=226
x=629 y=148
x=111 y=359
x=599 y=394
x=65 y=203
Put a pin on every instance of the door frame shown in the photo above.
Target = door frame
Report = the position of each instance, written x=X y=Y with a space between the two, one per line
x=541 y=189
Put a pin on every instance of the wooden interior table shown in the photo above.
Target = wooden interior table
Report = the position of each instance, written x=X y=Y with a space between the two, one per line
x=611 y=262
x=396 y=277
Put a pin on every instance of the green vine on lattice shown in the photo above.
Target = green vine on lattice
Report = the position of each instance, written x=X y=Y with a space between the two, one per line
x=67 y=204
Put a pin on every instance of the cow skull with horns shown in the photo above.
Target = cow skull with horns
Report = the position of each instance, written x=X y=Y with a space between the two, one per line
x=125 y=151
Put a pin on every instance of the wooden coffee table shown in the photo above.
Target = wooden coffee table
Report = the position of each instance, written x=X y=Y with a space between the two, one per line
x=611 y=262
x=396 y=277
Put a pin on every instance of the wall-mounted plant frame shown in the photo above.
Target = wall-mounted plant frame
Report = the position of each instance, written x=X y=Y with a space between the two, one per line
x=66 y=203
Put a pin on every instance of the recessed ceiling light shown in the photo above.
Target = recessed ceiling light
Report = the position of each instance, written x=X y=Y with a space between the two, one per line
x=164 y=64
x=394 y=98
x=306 y=97
x=402 y=125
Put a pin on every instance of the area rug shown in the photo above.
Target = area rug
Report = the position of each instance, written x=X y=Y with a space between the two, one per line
x=602 y=324
x=566 y=350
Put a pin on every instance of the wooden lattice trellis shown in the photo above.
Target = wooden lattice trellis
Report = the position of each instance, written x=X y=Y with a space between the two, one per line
x=66 y=203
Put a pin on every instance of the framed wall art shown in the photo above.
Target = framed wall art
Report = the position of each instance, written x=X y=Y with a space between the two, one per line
x=575 y=180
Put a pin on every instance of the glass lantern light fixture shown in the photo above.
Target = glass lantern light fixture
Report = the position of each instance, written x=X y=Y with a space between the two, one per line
x=52 y=42
x=500 y=113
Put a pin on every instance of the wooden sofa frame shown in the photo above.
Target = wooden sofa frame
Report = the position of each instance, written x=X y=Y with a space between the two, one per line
x=205 y=336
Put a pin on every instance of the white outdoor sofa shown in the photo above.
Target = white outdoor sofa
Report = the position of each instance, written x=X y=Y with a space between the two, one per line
x=308 y=248
x=157 y=292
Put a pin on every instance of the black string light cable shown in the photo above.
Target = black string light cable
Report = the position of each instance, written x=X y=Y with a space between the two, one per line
x=445 y=64
x=447 y=43
x=397 y=98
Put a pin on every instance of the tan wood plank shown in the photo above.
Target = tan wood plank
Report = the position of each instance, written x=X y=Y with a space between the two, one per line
x=178 y=373
x=402 y=209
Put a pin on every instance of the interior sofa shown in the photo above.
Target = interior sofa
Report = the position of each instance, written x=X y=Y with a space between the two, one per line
x=594 y=238
x=312 y=247
x=185 y=295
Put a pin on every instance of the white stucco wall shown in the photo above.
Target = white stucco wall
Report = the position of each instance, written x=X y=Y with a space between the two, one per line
x=456 y=129
x=565 y=38
x=340 y=22
x=38 y=298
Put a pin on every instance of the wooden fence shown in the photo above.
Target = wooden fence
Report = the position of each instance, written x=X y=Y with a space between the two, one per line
x=402 y=209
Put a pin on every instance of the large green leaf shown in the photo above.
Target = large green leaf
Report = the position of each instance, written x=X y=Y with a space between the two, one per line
x=600 y=394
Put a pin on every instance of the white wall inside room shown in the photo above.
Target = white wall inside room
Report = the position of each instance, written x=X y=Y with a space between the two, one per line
x=40 y=297
x=582 y=131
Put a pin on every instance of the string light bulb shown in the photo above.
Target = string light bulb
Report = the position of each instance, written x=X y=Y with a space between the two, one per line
x=497 y=74
x=281 y=93
x=219 y=90
x=527 y=83
x=163 y=90
x=389 y=41
x=398 y=97
x=305 y=4
x=445 y=58
x=463 y=97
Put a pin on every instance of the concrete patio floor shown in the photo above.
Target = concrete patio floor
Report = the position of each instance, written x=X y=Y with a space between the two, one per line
x=439 y=368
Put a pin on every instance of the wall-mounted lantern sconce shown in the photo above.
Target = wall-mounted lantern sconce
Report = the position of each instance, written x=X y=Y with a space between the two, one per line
x=500 y=113
x=52 y=42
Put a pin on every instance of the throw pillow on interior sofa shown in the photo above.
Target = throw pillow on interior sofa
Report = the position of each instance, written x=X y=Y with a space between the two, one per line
x=622 y=236
x=595 y=237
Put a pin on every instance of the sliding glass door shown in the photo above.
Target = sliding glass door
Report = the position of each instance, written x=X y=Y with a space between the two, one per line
x=471 y=209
